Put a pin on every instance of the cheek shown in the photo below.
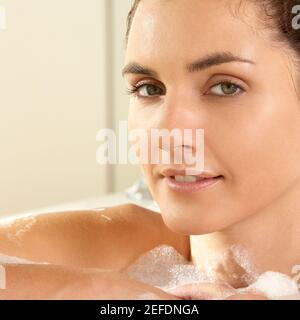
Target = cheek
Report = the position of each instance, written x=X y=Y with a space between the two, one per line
x=263 y=153
x=144 y=115
x=132 y=119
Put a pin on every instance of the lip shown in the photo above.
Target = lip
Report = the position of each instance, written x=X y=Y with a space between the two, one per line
x=206 y=179
x=174 y=172
x=191 y=186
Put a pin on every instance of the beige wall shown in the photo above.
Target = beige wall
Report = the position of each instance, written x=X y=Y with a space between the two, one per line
x=52 y=102
x=124 y=175
x=60 y=82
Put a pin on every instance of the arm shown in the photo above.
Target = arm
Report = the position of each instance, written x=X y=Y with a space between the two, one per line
x=108 y=239
x=37 y=282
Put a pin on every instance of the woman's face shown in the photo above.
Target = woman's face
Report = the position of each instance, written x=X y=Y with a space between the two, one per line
x=252 y=127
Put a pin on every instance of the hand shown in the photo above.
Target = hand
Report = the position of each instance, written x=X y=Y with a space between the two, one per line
x=209 y=291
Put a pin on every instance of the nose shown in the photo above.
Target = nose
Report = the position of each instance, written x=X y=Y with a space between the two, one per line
x=182 y=112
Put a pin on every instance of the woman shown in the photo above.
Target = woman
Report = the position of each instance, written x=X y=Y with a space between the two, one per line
x=231 y=68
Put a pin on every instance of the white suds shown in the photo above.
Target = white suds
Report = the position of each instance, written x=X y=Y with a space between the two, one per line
x=21 y=226
x=163 y=267
x=241 y=256
x=274 y=285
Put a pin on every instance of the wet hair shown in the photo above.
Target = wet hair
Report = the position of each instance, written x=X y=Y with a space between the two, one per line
x=277 y=16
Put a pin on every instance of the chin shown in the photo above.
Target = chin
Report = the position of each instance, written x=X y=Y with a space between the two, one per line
x=181 y=227
x=189 y=221
x=204 y=212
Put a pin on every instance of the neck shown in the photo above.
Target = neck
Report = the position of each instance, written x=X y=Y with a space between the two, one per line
x=267 y=241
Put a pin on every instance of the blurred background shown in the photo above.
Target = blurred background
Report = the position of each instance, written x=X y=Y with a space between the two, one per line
x=60 y=83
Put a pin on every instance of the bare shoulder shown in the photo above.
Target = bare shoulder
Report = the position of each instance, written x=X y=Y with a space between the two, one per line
x=111 y=238
x=149 y=227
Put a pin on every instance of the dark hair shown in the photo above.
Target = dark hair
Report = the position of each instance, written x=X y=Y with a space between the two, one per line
x=277 y=16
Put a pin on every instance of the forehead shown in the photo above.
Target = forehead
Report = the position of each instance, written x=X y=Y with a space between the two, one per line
x=185 y=29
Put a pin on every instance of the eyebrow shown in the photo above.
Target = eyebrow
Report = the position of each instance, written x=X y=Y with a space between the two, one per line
x=206 y=62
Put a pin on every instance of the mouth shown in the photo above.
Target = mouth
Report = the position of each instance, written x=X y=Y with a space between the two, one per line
x=180 y=182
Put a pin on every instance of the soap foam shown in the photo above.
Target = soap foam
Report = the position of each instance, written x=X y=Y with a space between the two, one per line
x=163 y=267
x=242 y=258
x=20 y=227
x=274 y=285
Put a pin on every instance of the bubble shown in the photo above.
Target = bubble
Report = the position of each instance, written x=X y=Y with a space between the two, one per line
x=20 y=227
x=164 y=267
x=274 y=285
x=242 y=258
